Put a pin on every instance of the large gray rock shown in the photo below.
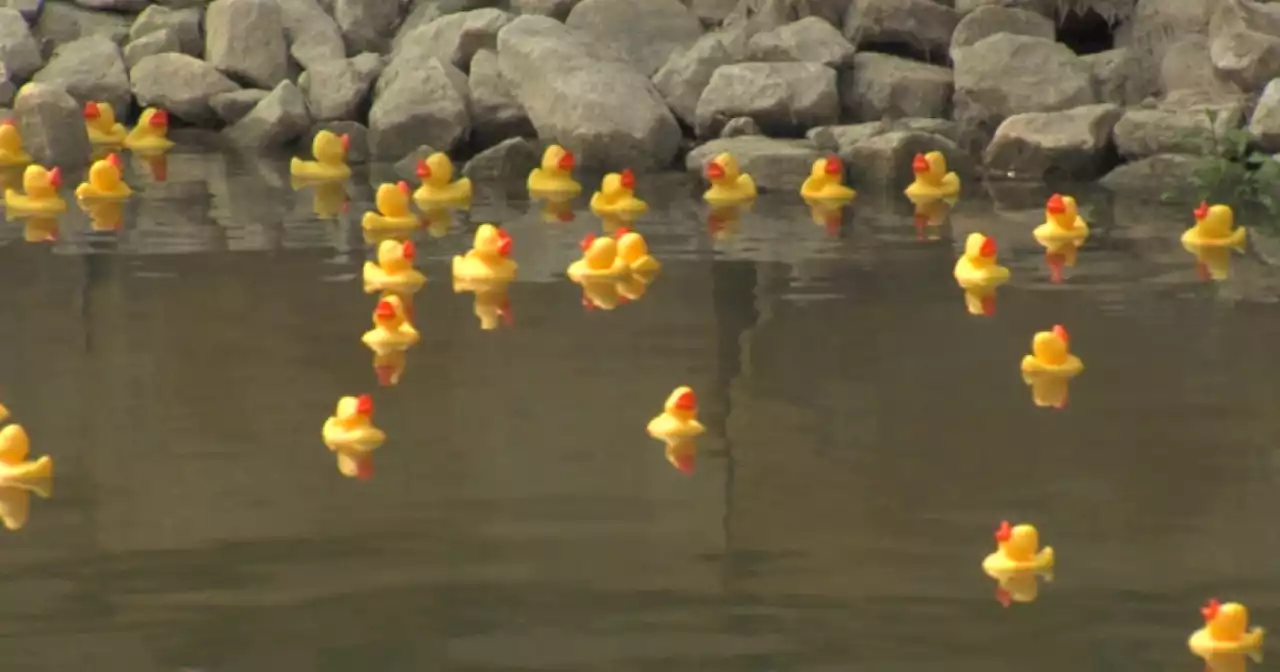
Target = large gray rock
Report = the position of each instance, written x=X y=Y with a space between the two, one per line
x=179 y=83
x=495 y=112
x=993 y=19
x=1071 y=144
x=313 y=35
x=1046 y=8
x=686 y=75
x=367 y=25
x=1155 y=175
x=29 y=9
x=556 y=9
x=279 y=118
x=115 y=5
x=232 y=106
x=7 y=89
x=162 y=41
x=423 y=106
x=644 y=33
x=91 y=68
x=923 y=25
x=783 y=98
x=1186 y=67
x=882 y=86
x=52 y=126
x=1264 y=126
x=739 y=127
x=887 y=157
x=579 y=95
x=1006 y=74
x=712 y=12
x=751 y=17
x=811 y=40
x=60 y=23
x=454 y=38
x=19 y=52
x=245 y=40
x=775 y=165
x=335 y=90
x=1245 y=43
x=510 y=161
x=1174 y=129
x=1120 y=77
x=183 y=23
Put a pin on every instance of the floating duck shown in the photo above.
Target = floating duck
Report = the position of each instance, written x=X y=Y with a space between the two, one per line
x=104 y=183
x=1019 y=586
x=391 y=328
x=350 y=433
x=488 y=258
x=330 y=152
x=599 y=260
x=553 y=180
x=826 y=183
x=1048 y=390
x=394 y=271
x=438 y=186
x=683 y=456
x=556 y=211
x=634 y=251
x=100 y=122
x=828 y=216
x=679 y=418
x=1215 y=227
x=12 y=153
x=977 y=266
x=980 y=300
x=1051 y=354
x=1018 y=549
x=152 y=132
x=729 y=185
x=393 y=214
x=931 y=177
x=104 y=215
x=41 y=195
x=1226 y=630
x=617 y=196
x=15 y=469
x=1212 y=263
x=1062 y=222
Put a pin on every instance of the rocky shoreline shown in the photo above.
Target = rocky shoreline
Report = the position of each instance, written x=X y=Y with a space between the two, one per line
x=652 y=84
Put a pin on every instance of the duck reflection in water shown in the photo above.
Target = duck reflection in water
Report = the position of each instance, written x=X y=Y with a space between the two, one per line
x=328 y=197
x=1213 y=264
x=438 y=221
x=1022 y=586
x=103 y=215
x=157 y=161
x=931 y=215
x=1059 y=256
x=602 y=294
x=492 y=301
x=1230 y=662
x=611 y=223
x=556 y=210
x=829 y=216
x=723 y=221
x=389 y=367
x=980 y=301
x=1048 y=390
x=38 y=229
x=683 y=455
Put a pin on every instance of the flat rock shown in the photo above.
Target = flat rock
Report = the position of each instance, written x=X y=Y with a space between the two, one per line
x=1006 y=74
x=993 y=19
x=179 y=83
x=162 y=41
x=644 y=33
x=232 y=106
x=19 y=51
x=887 y=157
x=423 y=106
x=357 y=133
x=1174 y=129
x=841 y=139
x=183 y=23
x=60 y=23
x=775 y=165
x=1154 y=176
x=508 y=162
x=91 y=68
x=495 y=113
x=1119 y=77
x=809 y=40
x=279 y=118
x=1070 y=144
x=312 y=35
x=783 y=98
x=880 y=86
x=923 y=25
x=367 y=25
x=52 y=125
x=686 y=75
x=1264 y=125
x=244 y=39
x=336 y=90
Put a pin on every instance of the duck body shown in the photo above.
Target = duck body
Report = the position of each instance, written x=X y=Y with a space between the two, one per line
x=15 y=469
x=487 y=260
x=1050 y=355
x=932 y=180
x=393 y=213
x=1215 y=227
x=1017 y=550
x=438 y=186
x=617 y=196
x=330 y=152
x=394 y=271
x=634 y=251
x=350 y=428
x=600 y=261
x=41 y=197
x=1226 y=631
x=825 y=184
x=553 y=179
x=104 y=183
x=729 y=185
x=977 y=267
x=678 y=420
x=1062 y=222
x=151 y=133
x=101 y=125
x=12 y=153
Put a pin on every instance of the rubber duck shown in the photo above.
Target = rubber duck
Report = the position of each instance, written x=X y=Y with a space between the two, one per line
x=600 y=294
x=723 y=221
x=41 y=197
x=1018 y=549
x=12 y=153
x=351 y=434
x=4 y=413
x=391 y=328
x=1215 y=227
x=1022 y=587
x=1213 y=264
x=679 y=418
x=105 y=215
x=634 y=252
x=1051 y=353
x=829 y=217
x=1230 y=662
x=1226 y=630
x=438 y=186
x=617 y=195
x=1048 y=390
x=977 y=266
x=394 y=271
x=488 y=258
x=553 y=180
x=104 y=182
x=151 y=134
x=1060 y=255
x=100 y=122
x=393 y=213
x=1062 y=222
x=556 y=211
x=15 y=469
x=682 y=455
x=599 y=260
x=826 y=183
x=388 y=366
x=330 y=152
x=980 y=300
x=932 y=178
x=729 y=185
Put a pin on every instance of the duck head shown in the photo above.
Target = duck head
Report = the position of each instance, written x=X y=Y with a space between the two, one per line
x=393 y=199
x=1018 y=542
x=1226 y=622
x=723 y=168
x=980 y=250
x=599 y=253
x=155 y=119
x=1053 y=346
x=828 y=170
x=40 y=182
x=355 y=411
x=330 y=148
x=99 y=115
x=10 y=138
x=683 y=403
x=395 y=257
x=558 y=160
x=929 y=168
x=436 y=170
x=492 y=242
x=1061 y=210
x=631 y=245
x=105 y=174
x=619 y=184
x=1215 y=221
x=389 y=313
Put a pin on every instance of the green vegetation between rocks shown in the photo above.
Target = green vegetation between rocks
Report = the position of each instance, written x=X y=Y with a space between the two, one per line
x=1233 y=173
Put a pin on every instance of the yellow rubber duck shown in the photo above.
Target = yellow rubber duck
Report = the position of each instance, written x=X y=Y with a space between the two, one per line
x=489 y=257
x=16 y=471
x=12 y=153
x=41 y=197
x=617 y=196
x=389 y=367
x=826 y=183
x=683 y=455
x=391 y=329
x=438 y=186
x=1226 y=630
x=931 y=177
x=729 y=185
x=679 y=418
x=599 y=260
x=151 y=134
x=980 y=300
x=1018 y=549
x=350 y=433
x=977 y=266
x=104 y=215
x=634 y=251
x=100 y=122
x=1051 y=354
x=1215 y=227
x=104 y=183
x=394 y=271
x=1062 y=222
x=330 y=152
x=553 y=180
x=393 y=213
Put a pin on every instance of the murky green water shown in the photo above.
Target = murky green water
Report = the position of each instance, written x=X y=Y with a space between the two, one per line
x=867 y=433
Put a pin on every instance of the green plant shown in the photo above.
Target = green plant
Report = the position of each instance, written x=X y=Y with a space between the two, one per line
x=1232 y=172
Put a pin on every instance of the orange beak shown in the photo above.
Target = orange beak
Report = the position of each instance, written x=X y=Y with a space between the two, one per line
x=408 y=250
x=834 y=166
x=1004 y=531
x=1061 y=332
x=55 y=177
x=1056 y=205
x=1210 y=610
x=384 y=311
x=622 y=231
x=403 y=187
x=1202 y=211
x=628 y=179
x=715 y=171
x=424 y=171
x=346 y=142
x=364 y=405
x=91 y=110
x=114 y=160
x=920 y=164
x=988 y=248
x=160 y=119
x=587 y=241
x=6 y=122
x=566 y=162
x=687 y=402
x=504 y=243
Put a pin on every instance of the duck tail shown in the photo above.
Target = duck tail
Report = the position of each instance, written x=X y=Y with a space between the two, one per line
x=296 y=165
x=1045 y=557
x=369 y=276
x=1238 y=236
x=748 y=183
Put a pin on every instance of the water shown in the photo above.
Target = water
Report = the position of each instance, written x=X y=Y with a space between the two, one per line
x=867 y=434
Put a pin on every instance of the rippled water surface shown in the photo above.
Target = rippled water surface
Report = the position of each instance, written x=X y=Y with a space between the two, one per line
x=866 y=435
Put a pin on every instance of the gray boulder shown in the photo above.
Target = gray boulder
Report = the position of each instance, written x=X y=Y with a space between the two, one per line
x=91 y=68
x=1006 y=74
x=279 y=118
x=454 y=38
x=245 y=40
x=1154 y=175
x=841 y=139
x=775 y=165
x=783 y=98
x=52 y=126
x=923 y=24
x=179 y=83
x=740 y=126
x=686 y=75
x=423 y=106
x=335 y=90
x=508 y=162
x=712 y=12
x=183 y=23
x=495 y=112
x=555 y=9
x=358 y=135
x=1245 y=43
x=312 y=35
x=115 y=5
x=882 y=86
x=232 y=106
x=60 y=23
x=1174 y=128
x=993 y=19
x=750 y=17
x=1119 y=77
x=887 y=157
x=1071 y=144
x=1186 y=67
x=367 y=25
x=7 y=90
x=810 y=40
x=644 y=33
x=1264 y=126
x=1047 y=8
x=162 y=41
x=29 y=9
x=19 y=52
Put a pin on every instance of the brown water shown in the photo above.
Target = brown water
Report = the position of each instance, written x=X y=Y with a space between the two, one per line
x=866 y=436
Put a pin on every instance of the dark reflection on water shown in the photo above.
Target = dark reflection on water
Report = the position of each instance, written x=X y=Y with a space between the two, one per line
x=866 y=434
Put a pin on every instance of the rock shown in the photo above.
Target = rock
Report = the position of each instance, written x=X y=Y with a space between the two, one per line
x=508 y=162
x=29 y=9
x=882 y=86
x=358 y=152
x=556 y=9
x=580 y=96
x=183 y=23
x=992 y=19
x=1154 y=175
x=234 y=105
x=52 y=126
x=423 y=106
x=163 y=41
x=841 y=139
x=312 y=35
x=644 y=33
x=336 y=90
x=367 y=25
x=407 y=167
x=495 y=112
x=810 y=40
x=91 y=68
x=1071 y=144
x=1174 y=129
x=783 y=98
x=740 y=126
x=277 y=119
x=712 y=12
x=244 y=39
x=1005 y=74
x=922 y=25
x=1241 y=47
x=1264 y=126
x=19 y=52
x=1119 y=77
x=1186 y=66
x=179 y=83
x=1046 y=8
x=115 y=5
x=686 y=75
x=7 y=90
x=1153 y=22
x=775 y=165
x=751 y=17
x=454 y=38
x=887 y=157
x=60 y=23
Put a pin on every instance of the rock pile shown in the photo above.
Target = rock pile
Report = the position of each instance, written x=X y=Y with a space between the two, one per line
x=640 y=83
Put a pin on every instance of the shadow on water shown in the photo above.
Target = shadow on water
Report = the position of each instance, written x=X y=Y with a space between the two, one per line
x=866 y=434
